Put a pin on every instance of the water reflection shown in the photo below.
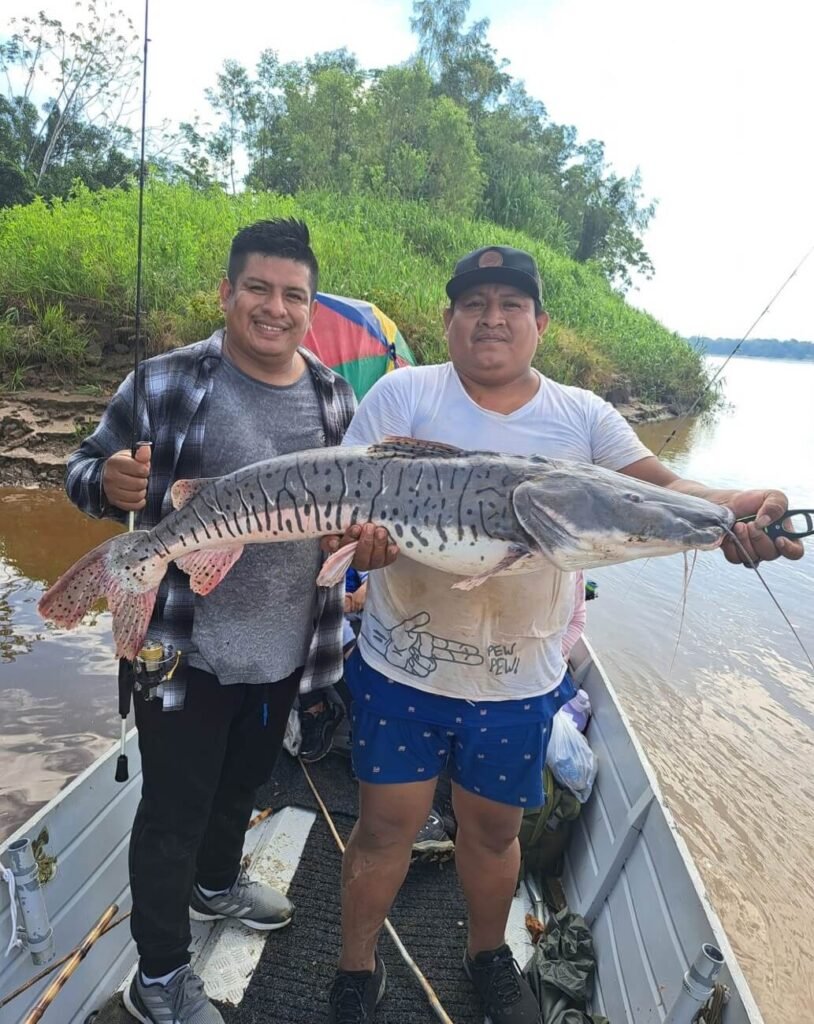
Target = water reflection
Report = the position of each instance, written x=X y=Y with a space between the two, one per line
x=57 y=688
x=41 y=533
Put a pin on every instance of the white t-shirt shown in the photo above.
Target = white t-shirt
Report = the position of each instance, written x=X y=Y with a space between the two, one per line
x=501 y=640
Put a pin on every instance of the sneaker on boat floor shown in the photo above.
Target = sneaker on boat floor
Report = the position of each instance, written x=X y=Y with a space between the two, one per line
x=318 y=730
x=355 y=995
x=181 y=1001
x=432 y=841
x=256 y=904
x=504 y=992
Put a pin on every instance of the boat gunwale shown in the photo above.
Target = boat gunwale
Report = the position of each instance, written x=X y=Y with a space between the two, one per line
x=583 y=656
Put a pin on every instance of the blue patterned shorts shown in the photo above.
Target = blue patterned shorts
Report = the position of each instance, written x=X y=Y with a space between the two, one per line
x=493 y=748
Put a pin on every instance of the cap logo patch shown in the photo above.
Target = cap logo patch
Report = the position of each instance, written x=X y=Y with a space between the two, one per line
x=492 y=258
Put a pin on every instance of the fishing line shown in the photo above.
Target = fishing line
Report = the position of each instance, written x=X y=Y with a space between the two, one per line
x=754 y=565
x=694 y=406
x=139 y=246
x=721 y=368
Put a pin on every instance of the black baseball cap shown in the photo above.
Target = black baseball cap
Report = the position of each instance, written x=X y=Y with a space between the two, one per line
x=496 y=263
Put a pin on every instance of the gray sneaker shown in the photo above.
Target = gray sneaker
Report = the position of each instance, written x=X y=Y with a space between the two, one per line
x=432 y=842
x=182 y=1001
x=256 y=904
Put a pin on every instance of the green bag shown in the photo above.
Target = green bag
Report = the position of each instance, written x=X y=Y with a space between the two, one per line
x=545 y=831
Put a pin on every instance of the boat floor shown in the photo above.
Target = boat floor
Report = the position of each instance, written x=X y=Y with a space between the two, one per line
x=290 y=981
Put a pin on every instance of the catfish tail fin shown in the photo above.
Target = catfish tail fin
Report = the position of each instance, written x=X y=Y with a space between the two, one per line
x=105 y=572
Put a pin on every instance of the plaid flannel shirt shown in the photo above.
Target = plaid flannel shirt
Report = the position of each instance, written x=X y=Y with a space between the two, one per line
x=173 y=400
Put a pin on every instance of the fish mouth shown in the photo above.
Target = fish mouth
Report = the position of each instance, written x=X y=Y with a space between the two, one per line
x=709 y=540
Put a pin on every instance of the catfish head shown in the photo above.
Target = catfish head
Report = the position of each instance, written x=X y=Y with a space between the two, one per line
x=581 y=516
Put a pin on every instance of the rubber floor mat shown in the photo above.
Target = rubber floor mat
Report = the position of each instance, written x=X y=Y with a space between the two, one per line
x=291 y=980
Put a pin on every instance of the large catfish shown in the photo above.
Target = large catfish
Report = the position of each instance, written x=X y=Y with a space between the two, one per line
x=471 y=514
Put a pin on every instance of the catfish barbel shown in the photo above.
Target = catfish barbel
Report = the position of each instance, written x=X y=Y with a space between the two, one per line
x=472 y=514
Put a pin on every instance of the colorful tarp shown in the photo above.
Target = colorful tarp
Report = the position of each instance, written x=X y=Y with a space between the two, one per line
x=356 y=340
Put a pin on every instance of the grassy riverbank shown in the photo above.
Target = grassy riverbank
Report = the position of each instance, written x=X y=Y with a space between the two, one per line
x=68 y=270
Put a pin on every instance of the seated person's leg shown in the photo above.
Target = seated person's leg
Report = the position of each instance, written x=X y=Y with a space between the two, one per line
x=320 y=715
x=434 y=839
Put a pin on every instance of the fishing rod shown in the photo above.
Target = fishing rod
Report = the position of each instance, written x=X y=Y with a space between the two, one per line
x=125 y=677
x=722 y=367
x=71 y=964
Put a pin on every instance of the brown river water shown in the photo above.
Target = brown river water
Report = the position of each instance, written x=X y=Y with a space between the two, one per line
x=723 y=702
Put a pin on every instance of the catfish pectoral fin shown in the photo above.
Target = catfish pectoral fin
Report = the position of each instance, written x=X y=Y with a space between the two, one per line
x=207 y=568
x=336 y=565
x=514 y=556
x=552 y=538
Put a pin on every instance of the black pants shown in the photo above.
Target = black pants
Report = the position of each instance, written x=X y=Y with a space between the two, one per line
x=201 y=767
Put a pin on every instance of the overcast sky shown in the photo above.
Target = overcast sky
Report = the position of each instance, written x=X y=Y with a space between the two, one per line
x=710 y=99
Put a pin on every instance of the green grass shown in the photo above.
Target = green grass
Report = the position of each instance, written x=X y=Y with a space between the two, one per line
x=68 y=269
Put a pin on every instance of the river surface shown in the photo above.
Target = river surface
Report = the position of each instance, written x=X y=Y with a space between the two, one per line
x=723 y=701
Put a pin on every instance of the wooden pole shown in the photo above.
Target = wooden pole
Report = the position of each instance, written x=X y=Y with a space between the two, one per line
x=429 y=991
x=73 y=962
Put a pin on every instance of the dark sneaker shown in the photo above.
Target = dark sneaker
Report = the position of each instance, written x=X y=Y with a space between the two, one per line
x=256 y=904
x=318 y=730
x=355 y=995
x=182 y=1001
x=504 y=992
x=432 y=841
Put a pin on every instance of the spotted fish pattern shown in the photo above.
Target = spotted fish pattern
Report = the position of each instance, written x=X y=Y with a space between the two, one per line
x=471 y=514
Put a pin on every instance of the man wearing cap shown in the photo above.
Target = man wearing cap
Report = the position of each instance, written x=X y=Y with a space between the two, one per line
x=471 y=680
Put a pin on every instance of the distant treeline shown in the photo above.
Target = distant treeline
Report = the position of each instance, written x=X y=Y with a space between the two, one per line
x=768 y=348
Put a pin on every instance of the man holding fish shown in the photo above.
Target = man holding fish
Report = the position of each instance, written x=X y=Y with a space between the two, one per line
x=211 y=734
x=470 y=676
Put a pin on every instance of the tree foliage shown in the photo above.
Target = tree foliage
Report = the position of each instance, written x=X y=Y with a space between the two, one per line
x=450 y=128
x=65 y=98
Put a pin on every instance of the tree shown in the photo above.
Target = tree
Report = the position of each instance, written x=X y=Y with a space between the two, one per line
x=234 y=98
x=535 y=176
x=194 y=166
x=454 y=180
x=463 y=64
x=606 y=215
x=88 y=75
x=438 y=25
x=393 y=120
x=266 y=136
x=522 y=156
x=322 y=129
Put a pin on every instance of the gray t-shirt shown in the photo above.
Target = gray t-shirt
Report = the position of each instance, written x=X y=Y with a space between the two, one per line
x=257 y=624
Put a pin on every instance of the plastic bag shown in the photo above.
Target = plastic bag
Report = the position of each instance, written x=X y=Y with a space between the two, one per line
x=292 y=741
x=570 y=758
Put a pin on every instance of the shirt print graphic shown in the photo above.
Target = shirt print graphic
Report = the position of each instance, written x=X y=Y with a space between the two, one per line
x=415 y=649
